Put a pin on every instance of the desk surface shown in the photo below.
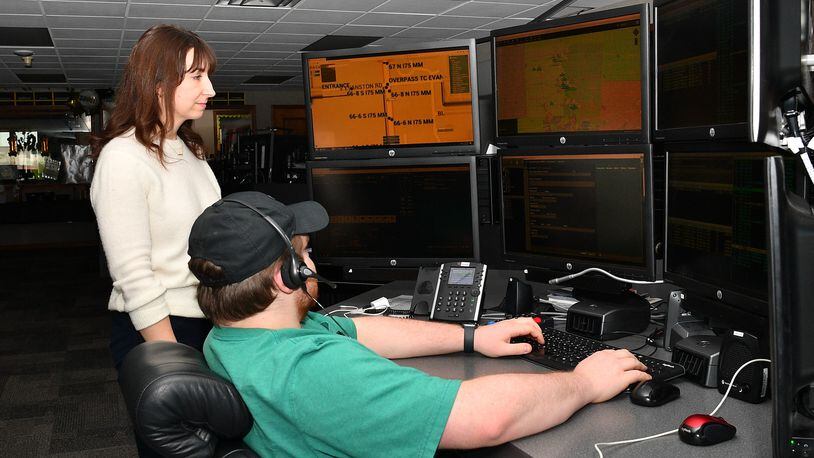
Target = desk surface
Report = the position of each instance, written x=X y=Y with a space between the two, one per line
x=615 y=420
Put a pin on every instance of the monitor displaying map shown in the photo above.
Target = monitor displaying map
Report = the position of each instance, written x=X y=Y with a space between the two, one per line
x=576 y=76
x=390 y=100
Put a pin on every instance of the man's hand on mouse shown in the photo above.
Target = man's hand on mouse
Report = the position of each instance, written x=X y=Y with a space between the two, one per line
x=606 y=373
x=495 y=340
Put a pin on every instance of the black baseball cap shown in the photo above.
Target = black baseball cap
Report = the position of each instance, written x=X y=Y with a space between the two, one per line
x=242 y=242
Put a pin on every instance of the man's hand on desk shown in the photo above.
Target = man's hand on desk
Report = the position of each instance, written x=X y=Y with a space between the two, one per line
x=495 y=340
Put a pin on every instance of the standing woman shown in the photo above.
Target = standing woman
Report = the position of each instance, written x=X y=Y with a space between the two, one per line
x=151 y=182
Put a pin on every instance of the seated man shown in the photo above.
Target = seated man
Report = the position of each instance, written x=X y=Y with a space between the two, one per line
x=323 y=386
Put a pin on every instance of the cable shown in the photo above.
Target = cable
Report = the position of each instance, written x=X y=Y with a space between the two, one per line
x=344 y=332
x=641 y=439
x=557 y=281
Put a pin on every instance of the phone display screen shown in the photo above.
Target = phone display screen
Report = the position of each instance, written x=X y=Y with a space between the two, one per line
x=461 y=276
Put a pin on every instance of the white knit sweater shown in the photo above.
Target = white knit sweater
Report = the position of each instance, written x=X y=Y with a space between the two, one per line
x=145 y=212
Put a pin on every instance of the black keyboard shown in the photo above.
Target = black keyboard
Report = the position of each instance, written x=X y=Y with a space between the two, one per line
x=563 y=351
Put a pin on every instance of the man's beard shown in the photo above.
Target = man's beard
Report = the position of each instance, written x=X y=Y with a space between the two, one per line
x=305 y=302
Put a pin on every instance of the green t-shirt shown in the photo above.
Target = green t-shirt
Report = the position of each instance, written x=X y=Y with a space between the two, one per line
x=315 y=392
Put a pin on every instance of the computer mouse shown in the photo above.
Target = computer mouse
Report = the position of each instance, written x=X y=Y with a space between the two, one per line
x=652 y=393
x=700 y=429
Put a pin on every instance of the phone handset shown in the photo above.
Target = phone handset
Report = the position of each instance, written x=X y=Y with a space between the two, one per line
x=458 y=292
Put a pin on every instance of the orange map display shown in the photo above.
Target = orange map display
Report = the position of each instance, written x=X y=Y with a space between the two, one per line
x=397 y=99
x=570 y=79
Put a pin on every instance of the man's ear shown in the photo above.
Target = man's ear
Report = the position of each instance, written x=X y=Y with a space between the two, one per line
x=279 y=283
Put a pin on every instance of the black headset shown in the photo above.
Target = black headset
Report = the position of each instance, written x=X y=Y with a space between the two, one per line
x=295 y=272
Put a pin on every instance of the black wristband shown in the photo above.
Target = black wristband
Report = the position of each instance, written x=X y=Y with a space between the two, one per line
x=469 y=337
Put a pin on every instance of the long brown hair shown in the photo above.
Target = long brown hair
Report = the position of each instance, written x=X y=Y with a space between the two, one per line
x=158 y=60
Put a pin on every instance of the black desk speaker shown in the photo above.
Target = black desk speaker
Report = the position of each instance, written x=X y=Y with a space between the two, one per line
x=752 y=384
x=519 y=297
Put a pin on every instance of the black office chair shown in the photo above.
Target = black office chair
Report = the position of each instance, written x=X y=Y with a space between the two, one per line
x=179 y=407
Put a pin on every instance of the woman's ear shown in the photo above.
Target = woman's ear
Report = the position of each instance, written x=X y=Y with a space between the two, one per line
x=279 y=283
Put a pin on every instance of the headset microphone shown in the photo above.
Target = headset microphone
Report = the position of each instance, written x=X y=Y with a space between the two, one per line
x=322 y=279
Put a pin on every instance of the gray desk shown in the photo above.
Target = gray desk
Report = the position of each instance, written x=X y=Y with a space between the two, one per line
x=615 y=420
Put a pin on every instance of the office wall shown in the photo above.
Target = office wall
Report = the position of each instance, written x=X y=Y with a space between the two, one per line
x=264 y=100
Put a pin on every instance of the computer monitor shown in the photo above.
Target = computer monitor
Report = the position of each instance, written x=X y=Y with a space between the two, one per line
x=568 y=209
x=576 y=80
x=396 y=212
x=708 y=70
x=715 y=246
x=407 y=100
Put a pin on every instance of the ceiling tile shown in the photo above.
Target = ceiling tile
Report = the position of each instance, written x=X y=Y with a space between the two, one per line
x=81 y=22
x=391 y=19
x=322 y=29
x=167 y=11
x=84 y=9
x=38 y=50
x=427 y=33
x=233 y=26
x=88 y=52
x=534 y=12
x=38 y=58
x=218 y=46
x=505 y=23
x=79 y=65
x=20 y=7
x=18 y=20
x=142 y=24
x=227 y=36
x=130 y=35
x=89 y=59
x=472 y=34
x=246 y=13
x=287 y=38
x=320 y=17
x=456 y=22
x=263 y=55
x=64 y=43
x=18 y=66
x=25 y=37
x=185 y=2
x=413 y=6
x=341 y=5
x=289 y=47
x=368 y=30
x=482 y=9
x=86 y=34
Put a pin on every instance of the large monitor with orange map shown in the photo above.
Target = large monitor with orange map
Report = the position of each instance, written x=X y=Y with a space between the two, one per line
x=572 y=81
x=404 y=101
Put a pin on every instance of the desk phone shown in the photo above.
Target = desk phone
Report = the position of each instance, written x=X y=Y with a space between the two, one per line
x=458 y=292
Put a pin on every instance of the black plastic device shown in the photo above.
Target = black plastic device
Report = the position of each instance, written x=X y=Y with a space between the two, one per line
x=458 y=292
x=603 y=321
x=700 y=356
x=791 y=244
x=653 y=393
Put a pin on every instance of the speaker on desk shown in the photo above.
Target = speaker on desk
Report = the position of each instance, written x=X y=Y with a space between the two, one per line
x=519 y=298
x=752 y=384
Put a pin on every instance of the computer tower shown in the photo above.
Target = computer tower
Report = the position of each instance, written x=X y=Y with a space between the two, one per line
x=790 y=221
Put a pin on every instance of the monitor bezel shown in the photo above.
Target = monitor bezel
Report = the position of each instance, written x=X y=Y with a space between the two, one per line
x=750 y=130
x=705 y=298
x=559 y=264
x=581 y=138
x=396 y=151
x=399 y=262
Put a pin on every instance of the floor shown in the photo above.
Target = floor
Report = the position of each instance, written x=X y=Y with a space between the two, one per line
x=58 y=390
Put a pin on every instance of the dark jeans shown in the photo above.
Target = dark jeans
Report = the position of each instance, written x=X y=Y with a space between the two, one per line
x=124 y=337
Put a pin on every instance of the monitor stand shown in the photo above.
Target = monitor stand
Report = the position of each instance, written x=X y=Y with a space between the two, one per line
x=607 y=309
